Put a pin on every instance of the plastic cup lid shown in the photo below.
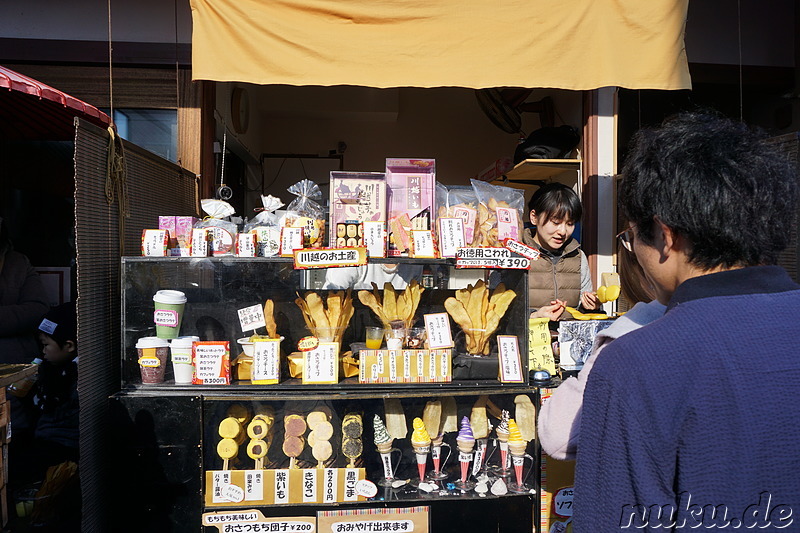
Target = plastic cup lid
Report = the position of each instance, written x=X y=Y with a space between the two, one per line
x=169 y=297
x=184 y=342
x=152 y=342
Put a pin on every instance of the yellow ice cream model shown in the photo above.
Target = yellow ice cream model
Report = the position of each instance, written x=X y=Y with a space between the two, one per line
x=517 y=446
x=421 y=442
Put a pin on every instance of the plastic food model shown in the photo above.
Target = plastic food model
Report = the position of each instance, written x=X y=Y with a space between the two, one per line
x=352 y=430
x=294 y=427
x=479 y=314
x=421 y=442
x=319 y=438
x=393 y=305
x=503 y=433
x=517 y=446
x=466 y=443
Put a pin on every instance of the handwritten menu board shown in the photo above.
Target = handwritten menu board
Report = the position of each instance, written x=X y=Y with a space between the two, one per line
x=451 y=236
x=540 y=350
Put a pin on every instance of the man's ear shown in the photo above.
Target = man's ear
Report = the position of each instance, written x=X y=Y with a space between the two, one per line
x=70 y=346
x=665 y=240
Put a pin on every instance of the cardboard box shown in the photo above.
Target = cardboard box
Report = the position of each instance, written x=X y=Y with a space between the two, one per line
x=179 y=234
x=406 y=366
x=411 y=187
x=355 y=198
x=183 y=235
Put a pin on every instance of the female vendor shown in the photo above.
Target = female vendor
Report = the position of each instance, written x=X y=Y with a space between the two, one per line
x=560 y=277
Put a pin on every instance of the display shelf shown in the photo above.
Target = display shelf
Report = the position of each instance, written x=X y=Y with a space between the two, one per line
x=172 y=430
x=565 y=171
x=216 y=288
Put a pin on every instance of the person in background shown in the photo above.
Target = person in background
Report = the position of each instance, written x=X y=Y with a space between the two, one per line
x=54 y=397
x=23 y=303
x=560 y=277
x=362 y=277
x=691 y=421
x=560 y=415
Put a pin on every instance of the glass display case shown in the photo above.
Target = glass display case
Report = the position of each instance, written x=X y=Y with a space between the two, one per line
x=217 y=288
x=289 y=447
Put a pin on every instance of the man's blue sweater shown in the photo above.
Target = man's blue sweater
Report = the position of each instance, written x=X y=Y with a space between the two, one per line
x=697 y=415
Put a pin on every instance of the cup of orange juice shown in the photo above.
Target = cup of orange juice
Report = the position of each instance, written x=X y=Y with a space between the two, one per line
x=374 y=337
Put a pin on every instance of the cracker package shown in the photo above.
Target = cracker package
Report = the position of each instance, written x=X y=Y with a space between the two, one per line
x=500 y=212
x=411 y=188
x=305 y=212
x=356 y=197
x=459 y=202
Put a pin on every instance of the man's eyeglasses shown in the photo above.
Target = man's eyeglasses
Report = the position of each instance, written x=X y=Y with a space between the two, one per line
x=626 y=239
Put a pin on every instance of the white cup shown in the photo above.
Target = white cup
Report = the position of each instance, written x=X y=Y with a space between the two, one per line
x=181 y=349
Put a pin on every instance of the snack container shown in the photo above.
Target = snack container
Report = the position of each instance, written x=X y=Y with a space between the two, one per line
x=355 y=197
x=411 y=187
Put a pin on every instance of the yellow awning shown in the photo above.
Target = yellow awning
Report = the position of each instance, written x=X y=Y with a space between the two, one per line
x=567 y=44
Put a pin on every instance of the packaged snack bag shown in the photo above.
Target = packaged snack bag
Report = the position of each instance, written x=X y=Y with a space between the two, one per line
x=222 y=233
x=460 y=202
x=266 y=226
x=500 y=212
x=305 y=212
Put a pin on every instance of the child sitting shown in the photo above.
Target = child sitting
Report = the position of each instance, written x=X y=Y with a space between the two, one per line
x=55 y=395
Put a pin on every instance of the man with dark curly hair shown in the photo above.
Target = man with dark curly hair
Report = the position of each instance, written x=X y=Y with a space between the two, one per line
x=692 y=420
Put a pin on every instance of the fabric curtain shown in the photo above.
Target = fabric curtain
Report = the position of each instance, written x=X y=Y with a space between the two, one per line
x=567 y=44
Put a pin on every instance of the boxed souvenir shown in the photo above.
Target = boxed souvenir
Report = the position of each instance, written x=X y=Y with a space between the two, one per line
x=411 y=186
x=356 y=197
x=575 y=338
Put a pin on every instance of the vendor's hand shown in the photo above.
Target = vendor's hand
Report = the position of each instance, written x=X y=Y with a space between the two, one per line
x=590 y=301
x=551 y=312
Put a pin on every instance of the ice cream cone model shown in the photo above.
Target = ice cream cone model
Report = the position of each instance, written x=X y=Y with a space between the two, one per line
x=517 y=446
x=502 y=438
x=466 y=443
x=436 y=455
x=383 y=442
x=421 y=442
x=257 y=450
x=227 y=449
x=483 y=448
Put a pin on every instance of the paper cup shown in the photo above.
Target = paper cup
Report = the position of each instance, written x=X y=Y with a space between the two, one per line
x=181 y=349
x=168 y=313
x=153 y=356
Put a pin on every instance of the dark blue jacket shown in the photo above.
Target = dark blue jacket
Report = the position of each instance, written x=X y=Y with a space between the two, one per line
x=697 y=412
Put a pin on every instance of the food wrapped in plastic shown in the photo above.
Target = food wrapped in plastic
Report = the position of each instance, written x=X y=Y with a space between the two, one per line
x=222 y=232
x=305 y=212
x=500 y=212
x=266 y=226
x=459 y=202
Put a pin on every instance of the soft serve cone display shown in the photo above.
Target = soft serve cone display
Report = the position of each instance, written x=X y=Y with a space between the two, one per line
x=383 y=442
x=502 y=432
x=517 y=446
x=466 y=443
x=421 y=442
